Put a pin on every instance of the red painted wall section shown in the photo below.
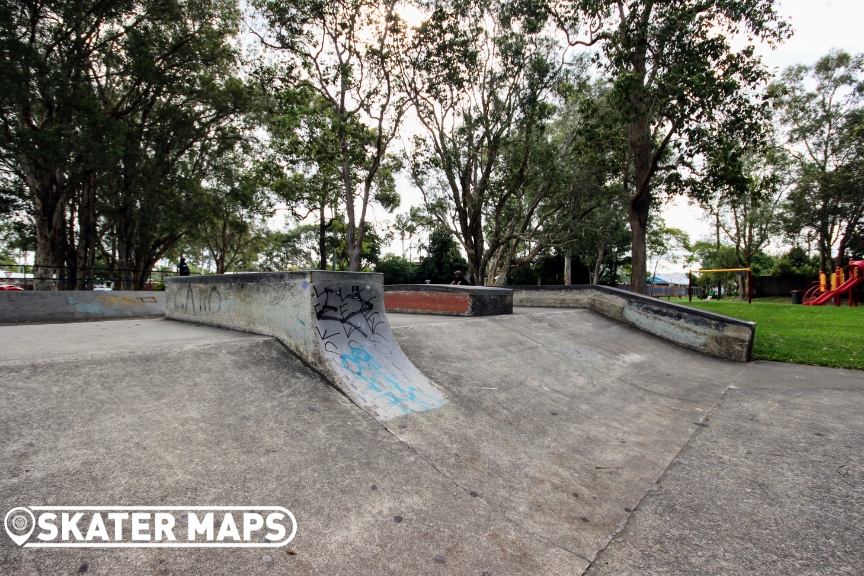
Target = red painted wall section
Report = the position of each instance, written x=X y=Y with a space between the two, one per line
x=433 y=302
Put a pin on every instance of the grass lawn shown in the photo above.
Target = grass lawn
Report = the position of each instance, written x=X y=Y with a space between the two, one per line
x=818 y=335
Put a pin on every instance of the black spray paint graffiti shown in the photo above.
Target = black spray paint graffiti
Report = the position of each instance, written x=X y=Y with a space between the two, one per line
x=347 y=309
x=355 y=334
x=208 y=300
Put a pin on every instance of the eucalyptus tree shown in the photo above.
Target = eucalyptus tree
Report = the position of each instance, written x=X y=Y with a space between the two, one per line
x=821 y=108
x=677 y=82
x=747 y=189
x=410 y=224
x=346 y=52
x=111 y=108
x=234 y=207
x=303 y=164
x=482 y=77
x=46 y=49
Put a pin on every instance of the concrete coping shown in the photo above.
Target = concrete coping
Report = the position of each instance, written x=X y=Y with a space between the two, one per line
x=488 y=290
x=258 y=277
x=646 y=299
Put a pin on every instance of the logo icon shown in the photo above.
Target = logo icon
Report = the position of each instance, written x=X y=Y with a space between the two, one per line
x=19 y=523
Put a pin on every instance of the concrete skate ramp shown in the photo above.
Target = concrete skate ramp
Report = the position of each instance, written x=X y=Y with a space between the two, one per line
x=195 y=415
x=706 y=332
x=334 y=321
x=568 y=440
x=559 y=419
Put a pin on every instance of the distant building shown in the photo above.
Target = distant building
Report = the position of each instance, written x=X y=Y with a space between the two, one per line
x=670 y=284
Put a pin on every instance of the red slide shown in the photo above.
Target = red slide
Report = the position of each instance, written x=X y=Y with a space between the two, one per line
x=843 y=288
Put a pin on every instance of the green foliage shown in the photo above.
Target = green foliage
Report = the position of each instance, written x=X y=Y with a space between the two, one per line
x=396 y=269
x=110 y=113
x=677 y=85
x=547 y=268
x=796 y=262
x=822 y=109
x=442 y=259
x=710 y=257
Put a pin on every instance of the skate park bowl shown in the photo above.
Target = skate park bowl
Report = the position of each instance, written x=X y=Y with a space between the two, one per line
x=562 y=441
x=448 y=300
x=706 y=332
x=333 y=321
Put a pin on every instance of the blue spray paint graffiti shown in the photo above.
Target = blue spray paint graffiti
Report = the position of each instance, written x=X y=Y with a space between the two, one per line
x=386 y=384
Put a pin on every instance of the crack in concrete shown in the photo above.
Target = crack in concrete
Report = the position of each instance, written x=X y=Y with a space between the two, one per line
x=501 y=513
x=621 y=527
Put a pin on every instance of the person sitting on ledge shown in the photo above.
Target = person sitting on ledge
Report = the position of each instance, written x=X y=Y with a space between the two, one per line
x=183 y=268
x=461 y=280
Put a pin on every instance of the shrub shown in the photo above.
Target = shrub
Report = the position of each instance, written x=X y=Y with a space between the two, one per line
x=396 y=269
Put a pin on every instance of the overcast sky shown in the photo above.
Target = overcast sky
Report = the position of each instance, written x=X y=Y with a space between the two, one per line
x=819 y=25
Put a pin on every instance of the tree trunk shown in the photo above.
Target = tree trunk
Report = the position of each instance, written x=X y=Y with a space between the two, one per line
x=640 y=144
x=322 y=239
x=568 y=269
x=86 y=249
x=50 y=198
x=599 y=262
x=719 y=285
x=501 y=279
x=638 y=233
x=127 y=244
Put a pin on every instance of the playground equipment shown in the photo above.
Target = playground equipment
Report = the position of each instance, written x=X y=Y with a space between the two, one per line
x=843 y=281
x=749 y=272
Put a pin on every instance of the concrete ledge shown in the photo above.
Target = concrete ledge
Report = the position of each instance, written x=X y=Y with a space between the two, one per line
x=333 y=321
x=448 y=300
x=72 y=305
x=706 y=332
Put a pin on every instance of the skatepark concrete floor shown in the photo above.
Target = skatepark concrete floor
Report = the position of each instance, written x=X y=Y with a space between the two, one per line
x=569 y=444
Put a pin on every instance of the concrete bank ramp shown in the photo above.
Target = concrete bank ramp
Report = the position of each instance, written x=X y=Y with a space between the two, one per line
x=560 y=420
x=334 y=321
x=706 y=332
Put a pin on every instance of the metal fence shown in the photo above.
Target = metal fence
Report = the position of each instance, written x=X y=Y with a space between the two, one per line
x=71 y=278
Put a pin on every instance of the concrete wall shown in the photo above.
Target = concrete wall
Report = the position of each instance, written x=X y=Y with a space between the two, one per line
x=712 y=334
x=448 y=300
x=333 y=321
x=71 y=305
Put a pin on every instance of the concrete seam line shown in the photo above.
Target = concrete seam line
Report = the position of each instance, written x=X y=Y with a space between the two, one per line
x=489 y=506
x=623 y=525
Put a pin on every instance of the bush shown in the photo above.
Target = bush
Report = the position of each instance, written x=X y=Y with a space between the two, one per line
x=396 y=269
x=442 y=259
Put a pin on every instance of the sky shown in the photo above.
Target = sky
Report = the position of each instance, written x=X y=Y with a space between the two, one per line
x=819 y=26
